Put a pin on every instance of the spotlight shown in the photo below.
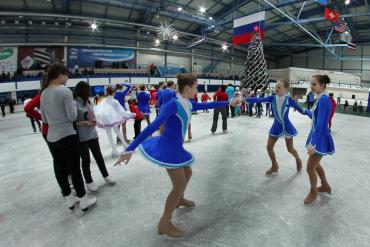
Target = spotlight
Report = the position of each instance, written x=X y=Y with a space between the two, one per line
x=157 y=41
x=224 y=47
x=175 y=37
x=179 y=9
x=56 y=24
x=43 y=23
x=202 y=10
x=94 y=26
x=347 y=2
x=210 y=18
x=29 y=22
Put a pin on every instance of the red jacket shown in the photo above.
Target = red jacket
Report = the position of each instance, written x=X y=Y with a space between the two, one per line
x=30 y=110
x=205 y=98
x=220 y=96
x=135 y=109
x=333 y=107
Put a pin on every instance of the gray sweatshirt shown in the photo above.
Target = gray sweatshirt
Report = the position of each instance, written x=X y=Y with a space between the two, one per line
x=85 y=113
x=58 y=111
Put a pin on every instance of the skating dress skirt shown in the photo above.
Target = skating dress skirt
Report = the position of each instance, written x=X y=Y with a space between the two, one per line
x=110 y=113
x=166 y=150
x=320 y=136
x=143 y=99
x=281 y=127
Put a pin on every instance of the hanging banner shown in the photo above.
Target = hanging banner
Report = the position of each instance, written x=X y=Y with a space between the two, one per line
x=89 y=56
x=8 y=59
x=32 y=58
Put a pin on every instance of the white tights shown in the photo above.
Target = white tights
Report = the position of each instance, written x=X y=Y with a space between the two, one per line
x=110 y=137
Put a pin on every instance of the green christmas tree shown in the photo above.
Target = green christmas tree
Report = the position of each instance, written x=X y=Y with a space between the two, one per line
x=255 y=74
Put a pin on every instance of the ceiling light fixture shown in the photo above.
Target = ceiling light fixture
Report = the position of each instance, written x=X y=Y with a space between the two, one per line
x=202 y=10
x=179 y=9
x=94 y=26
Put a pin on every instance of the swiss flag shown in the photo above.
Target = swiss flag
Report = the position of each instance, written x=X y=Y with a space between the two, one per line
x=331 y=15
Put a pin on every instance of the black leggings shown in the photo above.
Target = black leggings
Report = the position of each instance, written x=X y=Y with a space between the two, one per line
x=137 y=127
x=66 y=155
x=33 y=120
x=92 y=145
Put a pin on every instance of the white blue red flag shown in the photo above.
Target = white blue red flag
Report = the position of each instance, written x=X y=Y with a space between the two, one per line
x=244 y=27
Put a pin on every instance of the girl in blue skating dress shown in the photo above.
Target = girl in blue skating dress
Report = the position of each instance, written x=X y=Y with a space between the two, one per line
x=166 y=150
x=319 y=142
x=282 y=127
x=143 y=100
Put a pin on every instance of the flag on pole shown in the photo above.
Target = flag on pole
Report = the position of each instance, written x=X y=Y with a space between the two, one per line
x=340 y=27
x=351 y=46
x=322 y=2
x=331 y=15
x=244 y=27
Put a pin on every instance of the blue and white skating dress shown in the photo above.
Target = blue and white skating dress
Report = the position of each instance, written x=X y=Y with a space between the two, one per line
x=320 y=137
x=143 y=99
x=167 y=149
x=282 y=127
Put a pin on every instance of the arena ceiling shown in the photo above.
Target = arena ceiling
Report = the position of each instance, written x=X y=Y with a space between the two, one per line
x=68 y=22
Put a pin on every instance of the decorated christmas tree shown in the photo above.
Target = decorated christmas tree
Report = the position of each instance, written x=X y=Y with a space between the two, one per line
x=255 y=73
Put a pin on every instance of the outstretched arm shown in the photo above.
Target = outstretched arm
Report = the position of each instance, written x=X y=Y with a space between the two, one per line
x=168 y=110
x=210 y=105
x=295 y=105
x=254 y=100
x=128 y=88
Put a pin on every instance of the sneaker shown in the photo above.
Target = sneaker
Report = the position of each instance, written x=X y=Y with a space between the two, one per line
x=71 y=201
x=92 y=187
x=109 y=180
x=86 y=202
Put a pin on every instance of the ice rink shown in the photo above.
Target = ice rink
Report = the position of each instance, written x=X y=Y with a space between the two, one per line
x=237 y=205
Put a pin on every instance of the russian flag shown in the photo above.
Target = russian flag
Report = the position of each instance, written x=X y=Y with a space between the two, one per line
x=244 y=27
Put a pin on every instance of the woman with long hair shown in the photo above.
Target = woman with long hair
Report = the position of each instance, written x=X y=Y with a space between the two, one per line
x=89 y=139
x=59 y=112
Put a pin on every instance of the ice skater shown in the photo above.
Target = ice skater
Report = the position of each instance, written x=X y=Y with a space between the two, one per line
x=109 y=115
x=282 y=127
x=166 y=150
x=120 y=96
x=143 y=100
x=319 y=142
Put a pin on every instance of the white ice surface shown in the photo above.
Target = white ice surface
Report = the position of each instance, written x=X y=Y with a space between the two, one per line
x=237 y=205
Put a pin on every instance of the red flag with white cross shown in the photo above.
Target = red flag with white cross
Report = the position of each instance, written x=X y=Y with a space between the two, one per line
x=331 y=15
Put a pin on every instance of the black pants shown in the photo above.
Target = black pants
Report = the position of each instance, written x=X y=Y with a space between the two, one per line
x=66 y=155
x=215 y=118
x=137 y=127
x=92 y=145
x=33 y=123
x=232 y=110
x=3 y=111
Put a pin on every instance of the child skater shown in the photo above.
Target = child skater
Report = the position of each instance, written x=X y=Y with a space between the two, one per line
x=110 y=115
x=120 y=96
x=166 y=150
x=319 y=142
x=138 y=117
x=143 y=99
x=89 y=140
x=204 y=98
x=282 y=127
